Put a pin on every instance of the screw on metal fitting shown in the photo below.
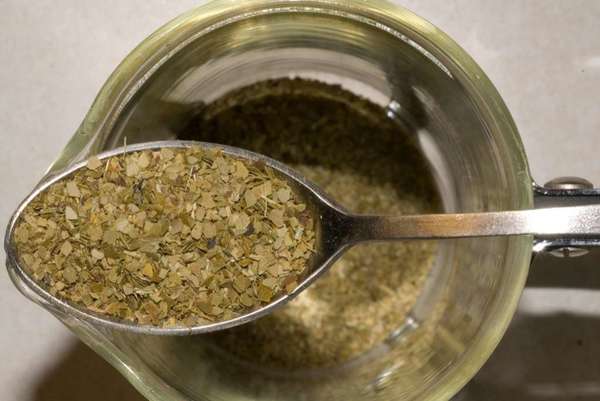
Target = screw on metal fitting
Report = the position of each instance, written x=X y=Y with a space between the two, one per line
x=569 y=252
x=569 y=183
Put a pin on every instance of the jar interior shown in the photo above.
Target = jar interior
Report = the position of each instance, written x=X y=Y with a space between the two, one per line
x=469 y=161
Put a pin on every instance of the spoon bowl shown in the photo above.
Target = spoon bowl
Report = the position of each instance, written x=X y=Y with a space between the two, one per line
x=316 y=200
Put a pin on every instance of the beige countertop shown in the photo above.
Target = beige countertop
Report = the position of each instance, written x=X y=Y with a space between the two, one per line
x=543 y=55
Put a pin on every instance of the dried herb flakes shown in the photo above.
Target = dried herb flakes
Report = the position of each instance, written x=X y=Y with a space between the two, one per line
x=169 y=238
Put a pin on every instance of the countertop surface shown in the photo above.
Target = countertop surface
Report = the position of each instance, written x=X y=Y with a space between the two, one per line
x=544 y=57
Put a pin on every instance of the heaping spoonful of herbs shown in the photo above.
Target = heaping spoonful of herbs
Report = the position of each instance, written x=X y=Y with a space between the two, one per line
x=177 y=238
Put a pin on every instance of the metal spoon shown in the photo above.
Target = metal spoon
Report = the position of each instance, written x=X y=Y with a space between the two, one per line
x=337 y=231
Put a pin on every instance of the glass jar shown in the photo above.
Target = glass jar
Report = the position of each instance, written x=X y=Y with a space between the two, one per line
x=424 y=80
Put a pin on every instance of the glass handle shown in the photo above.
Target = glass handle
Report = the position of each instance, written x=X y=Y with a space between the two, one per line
x=566 y=191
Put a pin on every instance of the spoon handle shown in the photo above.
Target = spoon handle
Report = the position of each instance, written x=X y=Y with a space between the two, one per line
x=575 y=221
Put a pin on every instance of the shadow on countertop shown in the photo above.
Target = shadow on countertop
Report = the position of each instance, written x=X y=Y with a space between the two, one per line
x=576 y=273
x=82 y=375
x=547 y=357
x=552 y=357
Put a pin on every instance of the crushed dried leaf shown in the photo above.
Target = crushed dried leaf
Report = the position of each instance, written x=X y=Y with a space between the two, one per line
x=176 y=237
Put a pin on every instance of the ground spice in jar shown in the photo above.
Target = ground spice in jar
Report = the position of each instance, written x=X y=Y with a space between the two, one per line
x=170 y=238
x=369 y=164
